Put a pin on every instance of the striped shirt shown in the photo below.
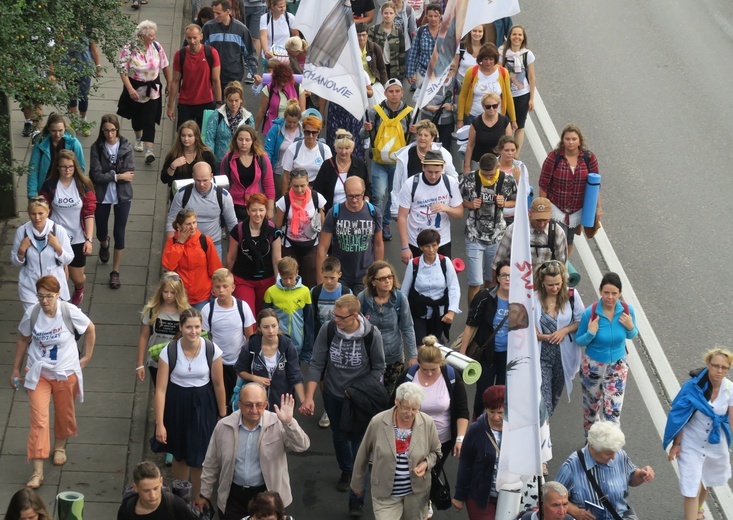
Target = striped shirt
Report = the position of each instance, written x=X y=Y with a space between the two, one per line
x=613 y=478
x=402 y=485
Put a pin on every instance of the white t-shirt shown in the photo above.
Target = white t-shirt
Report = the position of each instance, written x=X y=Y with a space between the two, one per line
x=67 y=204
x=466 y=63
x=288 y=139
x=52 y=343
x=306 y=232
x=111 y=196
x=309 y=160
x=420 y=216
x=191 y=373
x=483 y=85
x=228 y=330
x=282 y=33
x=516 y=66
x=339 y=192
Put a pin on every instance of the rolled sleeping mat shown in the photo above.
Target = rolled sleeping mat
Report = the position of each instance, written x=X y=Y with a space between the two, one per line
x=220 y=180
x=267 y=78
x=573 y=275
x=470 y=369
x=590 y=199
x=70 y=505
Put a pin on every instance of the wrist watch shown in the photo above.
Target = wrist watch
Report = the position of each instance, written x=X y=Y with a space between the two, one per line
x=90 y=240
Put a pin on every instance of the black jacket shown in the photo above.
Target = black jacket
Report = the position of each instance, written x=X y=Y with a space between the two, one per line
x=326 y=179
x=366 y=398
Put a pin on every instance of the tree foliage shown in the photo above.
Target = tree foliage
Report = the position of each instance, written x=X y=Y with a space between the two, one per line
x=41 y=41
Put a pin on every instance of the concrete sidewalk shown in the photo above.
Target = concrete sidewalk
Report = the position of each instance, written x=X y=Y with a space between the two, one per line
x=112 y=420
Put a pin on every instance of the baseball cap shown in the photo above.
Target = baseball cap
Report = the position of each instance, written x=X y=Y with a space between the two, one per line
x=392 y=82
x=541 y=209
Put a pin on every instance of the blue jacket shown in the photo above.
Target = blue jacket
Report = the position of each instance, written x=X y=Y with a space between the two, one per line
x=287 y=371
x=608 y=345
x=691 y=398
x=476 y=465
x=394 y=321
x=218 y=135
x=275 y=137
x=41 y=160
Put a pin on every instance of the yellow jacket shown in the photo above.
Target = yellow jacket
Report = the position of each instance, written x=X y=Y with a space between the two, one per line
x=465 y=99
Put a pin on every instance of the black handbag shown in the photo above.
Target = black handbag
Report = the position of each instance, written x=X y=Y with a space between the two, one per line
x=439 y=488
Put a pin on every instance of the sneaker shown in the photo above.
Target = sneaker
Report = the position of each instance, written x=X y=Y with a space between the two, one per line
x=355 y=508
x=78 y=296
x=139 y=146
x=386 y=233
x=149 y=156
x=324 y=422
x=114 y=280
x=34 y=135
x=249 y=79
x=344 y=483
x=27 y=129
x=104 y=253
x=430 y=510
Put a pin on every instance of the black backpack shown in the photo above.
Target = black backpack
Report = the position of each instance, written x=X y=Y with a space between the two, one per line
x=240 y=307
x=208 y=56
x=550 y=240
x=173 y=355
x=188 y=190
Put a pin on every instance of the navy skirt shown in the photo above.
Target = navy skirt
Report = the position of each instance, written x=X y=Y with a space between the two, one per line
x=189 y=418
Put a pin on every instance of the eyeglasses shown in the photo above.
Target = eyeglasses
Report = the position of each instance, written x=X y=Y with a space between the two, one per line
x=43 y=297
x=719 y=367
x=342 y=318
x=503 y=276
x=298 y=173
x=311 y=132
x=69 y=168
x=354 y=196
x=109 y=130
x=490 y=107
x=386 y=278
x=553 y=263
x=408 y=409
x=259 y=406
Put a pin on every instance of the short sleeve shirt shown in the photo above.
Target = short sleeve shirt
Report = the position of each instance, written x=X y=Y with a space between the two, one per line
x=144 y=66
x=421 y=216
x=196 y=84
x=353 y=239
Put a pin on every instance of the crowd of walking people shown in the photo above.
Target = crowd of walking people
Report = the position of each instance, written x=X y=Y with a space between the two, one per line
x=275 y=286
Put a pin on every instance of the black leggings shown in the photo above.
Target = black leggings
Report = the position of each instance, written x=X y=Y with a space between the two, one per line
x=101 y=220
x=492 y=373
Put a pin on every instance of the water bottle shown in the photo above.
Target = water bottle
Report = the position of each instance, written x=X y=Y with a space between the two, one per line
x=16 y=383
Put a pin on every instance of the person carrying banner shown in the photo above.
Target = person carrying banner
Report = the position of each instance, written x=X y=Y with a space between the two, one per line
x=387 y=125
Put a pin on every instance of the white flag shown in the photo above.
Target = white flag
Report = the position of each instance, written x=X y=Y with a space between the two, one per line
x=333 y=68
x=460 y=17
x=520 y=457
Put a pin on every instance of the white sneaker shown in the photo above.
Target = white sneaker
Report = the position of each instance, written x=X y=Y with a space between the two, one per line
x=430 y=510
x=139 y=146
x=324 y=422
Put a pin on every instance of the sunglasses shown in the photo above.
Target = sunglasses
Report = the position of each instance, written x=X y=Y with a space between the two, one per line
x=172 y=276
x=184 y=212
x=389 y=277
x=299 y=173
x=344 y=136
x=489 y=107
x=549 y=263
x=311 y=132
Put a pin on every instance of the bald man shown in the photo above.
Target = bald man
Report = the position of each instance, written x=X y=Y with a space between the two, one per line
x=247 y=453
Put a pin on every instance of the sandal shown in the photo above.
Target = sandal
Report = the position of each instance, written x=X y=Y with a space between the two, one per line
x=35 y=481
x=700 y=513
x=59 y=456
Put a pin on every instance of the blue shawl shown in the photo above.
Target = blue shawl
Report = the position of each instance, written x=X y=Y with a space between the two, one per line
x=691 y=398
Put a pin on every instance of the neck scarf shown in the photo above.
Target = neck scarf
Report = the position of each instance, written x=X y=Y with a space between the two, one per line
x=298 y=204
x=489 y=182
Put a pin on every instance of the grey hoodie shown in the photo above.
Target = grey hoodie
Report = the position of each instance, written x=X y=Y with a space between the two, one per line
x=348 y=358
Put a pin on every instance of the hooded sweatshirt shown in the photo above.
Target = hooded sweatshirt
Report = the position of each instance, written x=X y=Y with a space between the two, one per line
x=295 y=312
x=347 y=358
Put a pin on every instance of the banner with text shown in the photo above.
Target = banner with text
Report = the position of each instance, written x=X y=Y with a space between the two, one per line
x=521 y=457
x=333 y=68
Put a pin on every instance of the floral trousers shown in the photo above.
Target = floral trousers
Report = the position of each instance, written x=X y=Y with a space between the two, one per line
x=603 y=390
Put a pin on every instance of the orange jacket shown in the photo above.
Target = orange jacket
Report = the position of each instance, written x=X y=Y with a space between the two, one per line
x=465 y=99
x=194 y=265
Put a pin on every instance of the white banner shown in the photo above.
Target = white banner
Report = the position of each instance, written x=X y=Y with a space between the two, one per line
x=520 y=457
x=460 y=17
x=333 y=68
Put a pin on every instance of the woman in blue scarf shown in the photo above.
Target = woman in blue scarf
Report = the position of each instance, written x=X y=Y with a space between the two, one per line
x=702 y=408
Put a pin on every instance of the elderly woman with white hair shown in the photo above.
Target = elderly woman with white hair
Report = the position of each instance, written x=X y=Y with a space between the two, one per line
x=601 y=493
x=404 y=445
x=140 y=64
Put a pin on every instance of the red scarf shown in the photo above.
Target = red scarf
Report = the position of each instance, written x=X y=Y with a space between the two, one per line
x=298 y=204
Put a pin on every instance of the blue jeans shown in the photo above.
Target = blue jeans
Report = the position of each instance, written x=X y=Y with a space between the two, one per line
x=382 y=177
x=345 y=448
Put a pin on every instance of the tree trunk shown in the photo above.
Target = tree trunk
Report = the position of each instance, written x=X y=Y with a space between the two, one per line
x=7 y=170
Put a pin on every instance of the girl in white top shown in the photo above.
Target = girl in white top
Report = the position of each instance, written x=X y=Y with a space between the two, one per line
x=301 y=238
x=188 y=399
x=467 y=51
x=40 y=247
x=507 y=149
x=307 y=154
x=519 y=61
x=53 y=369
x=557 y=315
x=276 y=27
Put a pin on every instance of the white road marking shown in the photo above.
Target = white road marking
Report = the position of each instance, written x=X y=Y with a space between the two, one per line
x=664 y=371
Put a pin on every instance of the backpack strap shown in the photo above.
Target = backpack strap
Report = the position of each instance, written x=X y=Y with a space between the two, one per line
x=211 y=309
x=187 y=191
x=298 y=146
x=551 y=238
x=398 y=303
x=66 y=316
x=181 y=61
x=209 y=352
x=593 y=308
x=315 y=296
x=608 y=506
x=415 y=182
x=208 y=56
x=204 y=242
x=240 y=308
x=411 y=371
x=571 y=300
x=34 y=316
x=172 y=350
x=380 y=112
x=447 y=185
x=444 y=267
